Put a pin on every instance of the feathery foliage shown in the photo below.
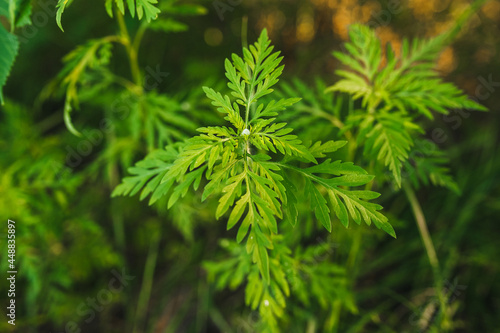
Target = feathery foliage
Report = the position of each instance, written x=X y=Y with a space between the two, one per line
x=241 y=164
x=274 y=189
x=394 y=92
x=143 y=8
x=17 y=14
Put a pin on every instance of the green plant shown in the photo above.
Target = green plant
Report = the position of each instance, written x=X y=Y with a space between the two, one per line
x=395 y=91
x=238 y=162
x=265 y=262
x=17 y=14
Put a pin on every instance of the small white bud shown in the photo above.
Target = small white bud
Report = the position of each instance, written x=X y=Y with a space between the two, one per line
x=245 y=132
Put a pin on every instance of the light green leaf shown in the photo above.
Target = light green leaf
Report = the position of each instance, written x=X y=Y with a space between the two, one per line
x=61 y=5
x=319 y=205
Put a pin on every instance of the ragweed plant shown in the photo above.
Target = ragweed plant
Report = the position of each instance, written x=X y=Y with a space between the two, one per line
x=86 y=74
x=395 y=94
x=274 y=188
x=378 y=104
x=250 y=165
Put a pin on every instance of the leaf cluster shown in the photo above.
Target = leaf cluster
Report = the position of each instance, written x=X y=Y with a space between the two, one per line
x=249 y=166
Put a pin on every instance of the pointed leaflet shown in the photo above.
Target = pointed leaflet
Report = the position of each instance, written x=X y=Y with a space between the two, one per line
x=147 y=8
x=345 y=202
x=17 y=12
x=405 y=83
x=109 y=6
x=318 y=150
x=277 y=137
x=319 y=205
x=389 y=140
x=147 y=175
x=224 y=105
x=290 y=210
x=61 y=5
x=429 y=166
x=10 y=46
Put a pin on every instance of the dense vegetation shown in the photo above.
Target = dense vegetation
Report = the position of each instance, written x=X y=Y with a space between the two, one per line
x=164 y=179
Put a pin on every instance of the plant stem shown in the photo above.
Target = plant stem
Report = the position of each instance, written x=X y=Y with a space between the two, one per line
x=132 y=52
x=244 y=31
x=332 y=323
x=429 y=246
x=320 y=113
x=116 y=215
x=311 y=326
x=138 y=37
x=247 y=109
x=422 y=225
x=147 y=282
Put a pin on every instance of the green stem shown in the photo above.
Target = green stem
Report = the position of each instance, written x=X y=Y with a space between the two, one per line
x=138 y=37
x=429 y=246
x=247 y=109
x=130 y=86
x=333 y=321
x=116 y=216
x=354 y=250
x=422 y=225
x=132 y=52
x=147 y=282
x=244 y=31
x=320 y=113
x=311 y=326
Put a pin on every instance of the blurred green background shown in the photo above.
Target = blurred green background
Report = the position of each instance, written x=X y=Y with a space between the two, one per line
x=73 y=239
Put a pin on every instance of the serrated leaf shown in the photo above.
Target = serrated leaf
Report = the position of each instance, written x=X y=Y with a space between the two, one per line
x=319 y=149
x=290 y=211
x=238 y=210
x=344 y=202
x=10 y=46
x=148 y=9
x=407 y=83
x=61 y=5
x=147 y=175
x=319 y=205
x=109 y=6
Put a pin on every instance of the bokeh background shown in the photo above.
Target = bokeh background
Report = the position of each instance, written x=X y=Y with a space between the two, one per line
x=73 y=239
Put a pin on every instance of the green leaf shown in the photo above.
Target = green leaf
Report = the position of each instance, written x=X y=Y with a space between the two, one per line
x=238 y=210
x=278 y=138
x=428 y=166
x=143 y=8
x=408 y=83
x=257 y=244
x=164 y=119
x=229 y=196
x=168 y=25
x=192 y=178
x=388 y=139
x=224 y=105
x=17 y=12
x=109 y=6
x=319 y=150
x=147 y=8
x=10 y=46
x=96 y=53
x=61 y=5
x=147 y=175
x=319 y=205
x=273 y=107
x=290 y=211
x=345 y=202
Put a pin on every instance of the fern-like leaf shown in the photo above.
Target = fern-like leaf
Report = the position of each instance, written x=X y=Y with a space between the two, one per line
x=408 y=83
